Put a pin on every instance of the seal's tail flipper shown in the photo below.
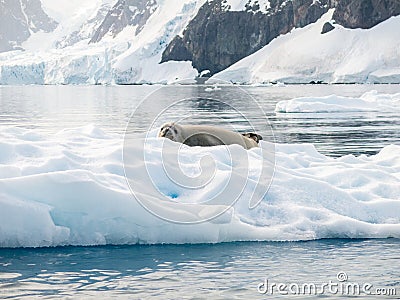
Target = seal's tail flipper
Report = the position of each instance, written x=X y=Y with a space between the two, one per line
x=254 y=136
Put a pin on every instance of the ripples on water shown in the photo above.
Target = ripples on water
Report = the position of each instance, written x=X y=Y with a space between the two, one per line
x=53 y=108
x=229 y=271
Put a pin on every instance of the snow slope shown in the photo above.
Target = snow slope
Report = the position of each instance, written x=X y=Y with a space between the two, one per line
x=140 y=63
x=65 y=57
x=69 y=189
x=341 y=55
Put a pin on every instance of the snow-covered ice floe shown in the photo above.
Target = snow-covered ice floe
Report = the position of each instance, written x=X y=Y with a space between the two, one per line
x=369 y=101
x=70 y=189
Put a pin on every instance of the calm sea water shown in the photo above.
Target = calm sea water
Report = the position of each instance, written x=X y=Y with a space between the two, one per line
x=53 y=108
x=222 y=271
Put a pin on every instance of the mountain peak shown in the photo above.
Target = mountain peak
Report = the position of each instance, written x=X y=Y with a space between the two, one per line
x=125 y=13
x=19 y=19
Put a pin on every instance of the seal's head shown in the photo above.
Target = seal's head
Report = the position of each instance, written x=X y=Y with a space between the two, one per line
x=169 y=131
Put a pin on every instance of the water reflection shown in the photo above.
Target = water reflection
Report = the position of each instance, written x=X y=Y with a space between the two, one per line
x=222 y=270
x=340 y=134
x=53 y=108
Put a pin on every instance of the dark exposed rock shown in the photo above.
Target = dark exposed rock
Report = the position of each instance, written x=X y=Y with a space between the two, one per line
x=327 y=27
x=181 y=53
x=124 y=13
x=217 y=37
x=18 y=19
x=365 y=13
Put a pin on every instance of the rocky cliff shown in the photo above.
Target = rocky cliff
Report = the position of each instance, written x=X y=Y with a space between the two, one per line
x=218 y=36
x=366 y=13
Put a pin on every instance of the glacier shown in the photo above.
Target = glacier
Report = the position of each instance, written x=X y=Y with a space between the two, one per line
x=69 y=188
x=65 y=57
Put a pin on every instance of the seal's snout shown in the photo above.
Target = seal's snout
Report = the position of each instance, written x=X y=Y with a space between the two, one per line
x=167 y=131
x=163 y=131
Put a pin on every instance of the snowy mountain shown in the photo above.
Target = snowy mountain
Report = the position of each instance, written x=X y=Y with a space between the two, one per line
x=164 y=41
x=86 y=49
x=77 y=22
x=225 y=31
x=19 y=20
x=125 y=13
x=339 y=56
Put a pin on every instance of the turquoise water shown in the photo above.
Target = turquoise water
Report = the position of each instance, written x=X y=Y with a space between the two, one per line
x=221 y=271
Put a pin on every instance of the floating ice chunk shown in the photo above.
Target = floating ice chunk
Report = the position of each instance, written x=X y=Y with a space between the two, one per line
x=212 y=89
x=370 y=101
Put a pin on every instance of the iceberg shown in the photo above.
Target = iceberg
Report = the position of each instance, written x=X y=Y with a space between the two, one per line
x=70 y=189
x=369 y=101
